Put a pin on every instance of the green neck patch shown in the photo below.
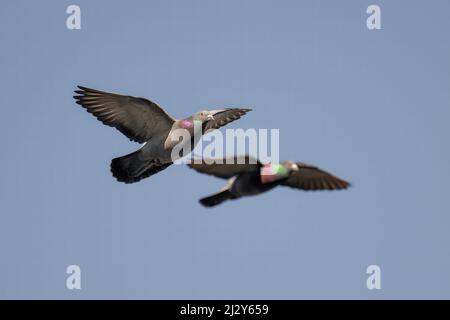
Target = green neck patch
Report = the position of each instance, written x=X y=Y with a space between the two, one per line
x=279 y=170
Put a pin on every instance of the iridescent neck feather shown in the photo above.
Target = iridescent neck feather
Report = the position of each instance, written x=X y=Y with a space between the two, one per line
x=273 y=172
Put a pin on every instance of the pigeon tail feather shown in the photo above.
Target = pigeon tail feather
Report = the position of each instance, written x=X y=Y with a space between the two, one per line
x=217 y=198
x=131 y=169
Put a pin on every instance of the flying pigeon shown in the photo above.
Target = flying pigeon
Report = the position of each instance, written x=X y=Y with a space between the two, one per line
x=143 y=121
x=247 y=177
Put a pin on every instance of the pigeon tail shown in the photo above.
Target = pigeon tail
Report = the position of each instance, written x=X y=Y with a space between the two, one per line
x=131 y=169
x=217 y=198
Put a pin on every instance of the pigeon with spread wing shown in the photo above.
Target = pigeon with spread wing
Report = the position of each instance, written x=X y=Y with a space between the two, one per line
x=247 y=176
x=143 y=121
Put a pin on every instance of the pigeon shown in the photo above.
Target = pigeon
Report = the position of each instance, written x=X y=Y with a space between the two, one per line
x=145 y=122
x=247 y=177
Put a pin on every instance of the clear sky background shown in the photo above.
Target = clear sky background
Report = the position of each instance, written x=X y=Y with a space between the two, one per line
x=370 y=106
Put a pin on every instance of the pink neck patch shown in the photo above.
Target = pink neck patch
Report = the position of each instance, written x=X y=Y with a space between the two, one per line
x=186 y=124
x=267 y=174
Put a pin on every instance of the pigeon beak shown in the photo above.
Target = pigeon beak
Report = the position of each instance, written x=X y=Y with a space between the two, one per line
x=210 y=117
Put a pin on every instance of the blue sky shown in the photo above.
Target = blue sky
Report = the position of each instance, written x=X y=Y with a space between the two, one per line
x=370 y=106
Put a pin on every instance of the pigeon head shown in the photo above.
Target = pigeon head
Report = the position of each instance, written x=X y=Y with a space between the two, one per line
x=290 y=165
x=203 y=116
x=197 y=118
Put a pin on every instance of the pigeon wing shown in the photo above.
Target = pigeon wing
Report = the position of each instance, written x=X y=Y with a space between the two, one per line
x=223 y=117
x=227 y=167
x=312 y=178
x=137 y=118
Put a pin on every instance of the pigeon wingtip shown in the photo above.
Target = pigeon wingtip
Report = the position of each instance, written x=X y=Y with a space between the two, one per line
x=345 y=186
x=204 y=205
x=83 y=88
